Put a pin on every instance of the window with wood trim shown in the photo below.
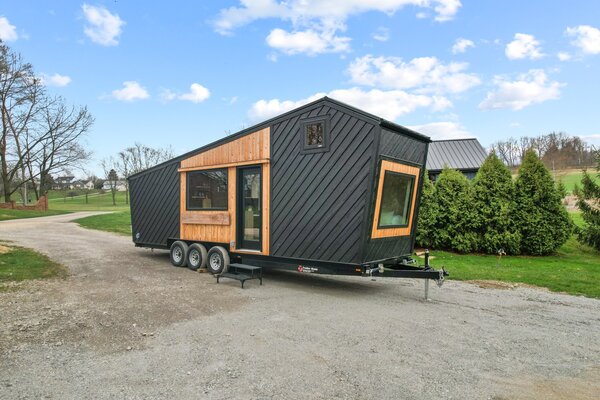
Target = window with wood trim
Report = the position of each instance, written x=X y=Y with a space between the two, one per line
x=395 y=201
x=207 y=190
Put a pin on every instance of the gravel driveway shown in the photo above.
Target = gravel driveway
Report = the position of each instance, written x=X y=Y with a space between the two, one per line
x=126 y=324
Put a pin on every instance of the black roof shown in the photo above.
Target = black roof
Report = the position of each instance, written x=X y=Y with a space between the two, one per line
x=375 y=119
x=460 y=154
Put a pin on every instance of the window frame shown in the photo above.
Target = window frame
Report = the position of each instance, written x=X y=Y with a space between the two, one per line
x=410 y=199
x=402 y=167
x=188 y=177
x=308 y=149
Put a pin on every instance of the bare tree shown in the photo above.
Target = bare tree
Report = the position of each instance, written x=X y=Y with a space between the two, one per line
x=137 y=158
x=20 y=92
x=38 y=134
x=108 y=165
x=59 y=132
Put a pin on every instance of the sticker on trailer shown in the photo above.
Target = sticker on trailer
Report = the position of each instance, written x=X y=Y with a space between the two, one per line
x=302 y=268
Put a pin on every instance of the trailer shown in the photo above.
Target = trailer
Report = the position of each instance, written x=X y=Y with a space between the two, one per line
x=325 y=188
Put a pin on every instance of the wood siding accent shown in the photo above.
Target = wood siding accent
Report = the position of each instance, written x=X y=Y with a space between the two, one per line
x=266 y=205
x=377 y=233
x=200 y=232
x=207 y=218
x=238 y=164
x=251 y=147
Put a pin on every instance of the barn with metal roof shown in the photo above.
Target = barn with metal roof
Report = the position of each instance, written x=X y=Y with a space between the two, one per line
x=464 y=155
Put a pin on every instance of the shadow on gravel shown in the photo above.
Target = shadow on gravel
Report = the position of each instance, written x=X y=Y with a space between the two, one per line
x=327 y=284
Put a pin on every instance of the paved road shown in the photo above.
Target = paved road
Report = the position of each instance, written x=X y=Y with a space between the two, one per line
x=125 y=324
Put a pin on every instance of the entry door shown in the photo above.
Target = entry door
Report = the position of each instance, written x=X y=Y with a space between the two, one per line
x=249 y=218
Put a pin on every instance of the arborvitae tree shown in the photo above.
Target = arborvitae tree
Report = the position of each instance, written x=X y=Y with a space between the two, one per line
x=493 y=196
x=452 y=228
x=588 y=201
x=428 y=211
x=543 y=221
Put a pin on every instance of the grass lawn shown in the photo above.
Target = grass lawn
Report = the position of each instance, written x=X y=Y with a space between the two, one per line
x=118 y=222
x=6 y=214
x=573 y=176
x=18 y=264
x=96 y=202
x=575 y=269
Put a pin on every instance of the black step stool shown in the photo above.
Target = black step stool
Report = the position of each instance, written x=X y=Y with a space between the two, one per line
x=242 y=273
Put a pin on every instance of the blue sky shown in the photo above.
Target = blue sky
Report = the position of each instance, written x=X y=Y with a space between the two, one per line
x=187 y=73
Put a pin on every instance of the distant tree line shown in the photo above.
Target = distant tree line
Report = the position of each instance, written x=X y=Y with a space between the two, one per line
x=493 y=213
x=557 y=150
x=39 y=133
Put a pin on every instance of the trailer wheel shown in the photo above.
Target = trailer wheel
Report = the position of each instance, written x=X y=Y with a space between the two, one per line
x=218 y=260
x=178 y=253
x=197 y=256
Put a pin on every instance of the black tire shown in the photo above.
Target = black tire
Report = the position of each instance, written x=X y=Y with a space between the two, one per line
x=218 y=260
x=196 y=256
x=178 y=253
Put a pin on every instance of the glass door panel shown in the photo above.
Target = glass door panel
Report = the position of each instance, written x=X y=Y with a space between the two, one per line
x=249 y=208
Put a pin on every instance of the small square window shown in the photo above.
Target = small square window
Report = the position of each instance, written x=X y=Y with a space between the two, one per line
x=315 y=135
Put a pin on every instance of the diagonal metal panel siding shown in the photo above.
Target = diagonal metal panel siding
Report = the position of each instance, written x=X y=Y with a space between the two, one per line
x=154 y=198
x=318 y=200
x=405 y=148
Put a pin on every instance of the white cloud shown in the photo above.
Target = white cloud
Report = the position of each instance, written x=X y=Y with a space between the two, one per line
x=443 y=130
x=563 y=56
x=56 y=80
x=326 y=12
x=197 y=94
x=382 y=34
x=131 y=91
x=309 y=42
x=8 y=32
x=316 y=22
x=387 y=104
x=102 y=27
x=587 y=38
x=523 y=46
x=424 y=74
x=461 y=45
x=530 y=88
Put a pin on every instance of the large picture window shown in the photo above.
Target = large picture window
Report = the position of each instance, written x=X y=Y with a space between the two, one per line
x=396 y=200
x=207 y=190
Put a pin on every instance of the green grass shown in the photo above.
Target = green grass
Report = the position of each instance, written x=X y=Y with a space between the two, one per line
x=96 y=202
x=6 y=214
x=575 y=269
x=118 y=222
x=570 y=178
x=18 y=264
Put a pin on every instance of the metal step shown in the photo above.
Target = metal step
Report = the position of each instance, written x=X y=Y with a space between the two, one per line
x=242 y=273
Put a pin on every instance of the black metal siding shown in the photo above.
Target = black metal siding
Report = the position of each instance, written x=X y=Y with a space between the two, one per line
x=318 y=200
x=402 y=148
x=155 y=205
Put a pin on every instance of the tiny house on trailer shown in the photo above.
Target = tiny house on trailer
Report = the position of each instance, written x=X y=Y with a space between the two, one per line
x=324 y=188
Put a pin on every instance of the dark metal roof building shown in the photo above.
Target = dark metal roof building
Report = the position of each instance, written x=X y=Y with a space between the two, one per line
x=464 y=155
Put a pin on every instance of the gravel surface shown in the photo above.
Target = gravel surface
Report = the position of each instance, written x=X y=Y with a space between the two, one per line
x=125 y=324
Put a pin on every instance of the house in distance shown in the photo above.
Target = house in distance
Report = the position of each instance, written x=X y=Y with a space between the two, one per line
x=324 y=188
x=464 y=155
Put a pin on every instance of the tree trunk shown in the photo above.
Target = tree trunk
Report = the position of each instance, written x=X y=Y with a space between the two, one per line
x=86 y=197
x=114 y=194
